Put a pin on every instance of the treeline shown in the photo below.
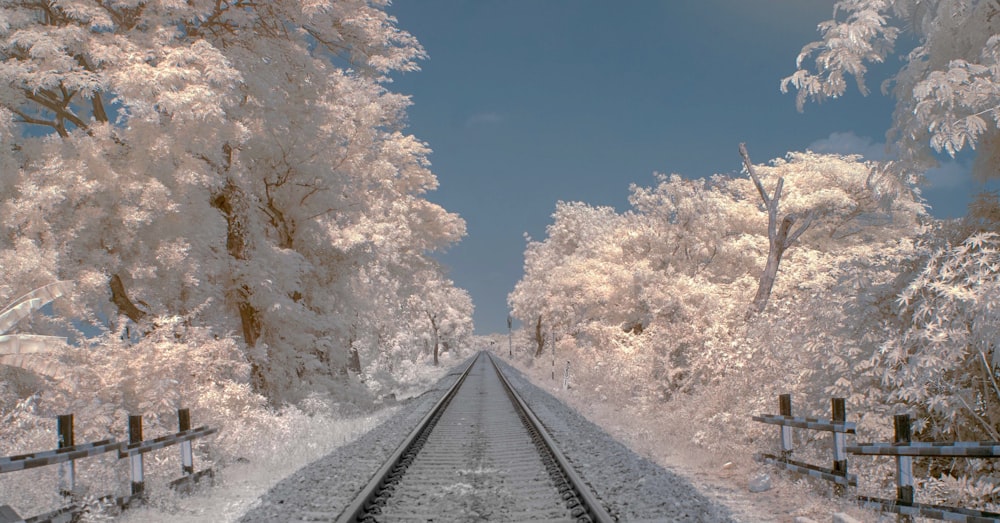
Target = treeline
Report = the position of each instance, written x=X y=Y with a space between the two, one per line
x=230 y=187
x=875 y=301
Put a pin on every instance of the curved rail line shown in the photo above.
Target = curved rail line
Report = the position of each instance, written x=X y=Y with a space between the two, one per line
x=477 y=422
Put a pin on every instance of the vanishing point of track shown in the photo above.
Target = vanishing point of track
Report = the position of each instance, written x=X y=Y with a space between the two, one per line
x=479 y=454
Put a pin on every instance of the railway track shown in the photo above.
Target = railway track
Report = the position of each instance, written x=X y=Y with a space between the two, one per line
x=479 y=455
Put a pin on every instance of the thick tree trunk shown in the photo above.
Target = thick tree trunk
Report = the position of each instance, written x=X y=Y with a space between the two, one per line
x=539 y=338
x=231 y=202
x=121 y=300
x=249 y=318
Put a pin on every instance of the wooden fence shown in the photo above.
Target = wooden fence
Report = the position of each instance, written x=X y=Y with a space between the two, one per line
x=837 y=425
x=67 y=452
x=902 y=447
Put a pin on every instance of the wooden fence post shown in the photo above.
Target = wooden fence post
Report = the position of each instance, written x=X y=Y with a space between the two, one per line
x=838 y=414
x=135 y=460
x=904 y=465
x=183 y=424
x=67 y=470
x=785 y=409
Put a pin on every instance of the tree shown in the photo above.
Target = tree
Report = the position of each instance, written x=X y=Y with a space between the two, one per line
x=947 y=91
x=566 y=283
x=446 y=309
x=945 y=361
x=780 y=238
x=657 y=296
x=241 y=154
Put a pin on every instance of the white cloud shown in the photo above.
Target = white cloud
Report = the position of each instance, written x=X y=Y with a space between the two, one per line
x=850 y=143
x=484 y=118
x=950 y=174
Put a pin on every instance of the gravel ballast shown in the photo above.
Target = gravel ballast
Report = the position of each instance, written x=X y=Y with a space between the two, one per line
x=320 y=490
x=631 y=487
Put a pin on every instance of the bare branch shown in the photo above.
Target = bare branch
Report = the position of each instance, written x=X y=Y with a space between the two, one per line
x=985 y=424
x=753 y=175
x=28 y=119
x=317 y=215
x=313 y=190
x=779 y=237
x=772 y=208
x=798 y=232
x=777 y=193
x=59 y=108
x=989 y=372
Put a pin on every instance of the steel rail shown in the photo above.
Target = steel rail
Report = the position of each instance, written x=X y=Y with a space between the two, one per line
x=590 y=503
x=359 y=507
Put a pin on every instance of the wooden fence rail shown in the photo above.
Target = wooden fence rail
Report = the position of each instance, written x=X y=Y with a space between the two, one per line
x=904 y=450
x=902 y=447
x=837 y=424
x=52 y=457
x=67 y=452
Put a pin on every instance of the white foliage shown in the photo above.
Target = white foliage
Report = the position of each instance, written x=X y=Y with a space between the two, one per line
x=683 y=265
x=944 y=364
x=665 y=286
x=947 y=90
x=241 y=154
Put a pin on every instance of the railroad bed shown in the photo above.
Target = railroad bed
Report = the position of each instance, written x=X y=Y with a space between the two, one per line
x=480 y=459
x=479 y=455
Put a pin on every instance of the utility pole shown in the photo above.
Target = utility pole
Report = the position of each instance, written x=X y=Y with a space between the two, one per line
x=510 y=336
x=552 y=337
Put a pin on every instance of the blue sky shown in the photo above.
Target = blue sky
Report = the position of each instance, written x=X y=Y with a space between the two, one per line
x=528 y=102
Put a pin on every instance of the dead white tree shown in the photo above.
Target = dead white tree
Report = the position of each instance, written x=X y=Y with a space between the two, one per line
x=779 y=236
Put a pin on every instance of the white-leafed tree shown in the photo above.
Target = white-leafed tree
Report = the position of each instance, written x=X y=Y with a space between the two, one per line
x=237 y=164
x=664 y=287
x=948 y=88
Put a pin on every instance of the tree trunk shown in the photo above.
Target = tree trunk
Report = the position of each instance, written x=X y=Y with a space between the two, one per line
x=539 y=339
x=283 y=226
x=249 y=317
x=353 y=357
x=354 y=363
x=777 y=250
x=434 y=326
x=121 y=300
x=778 y=237
x=231 y=201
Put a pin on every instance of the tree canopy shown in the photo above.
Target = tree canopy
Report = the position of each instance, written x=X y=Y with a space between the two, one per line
x=237 y=164
x=948 y=88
